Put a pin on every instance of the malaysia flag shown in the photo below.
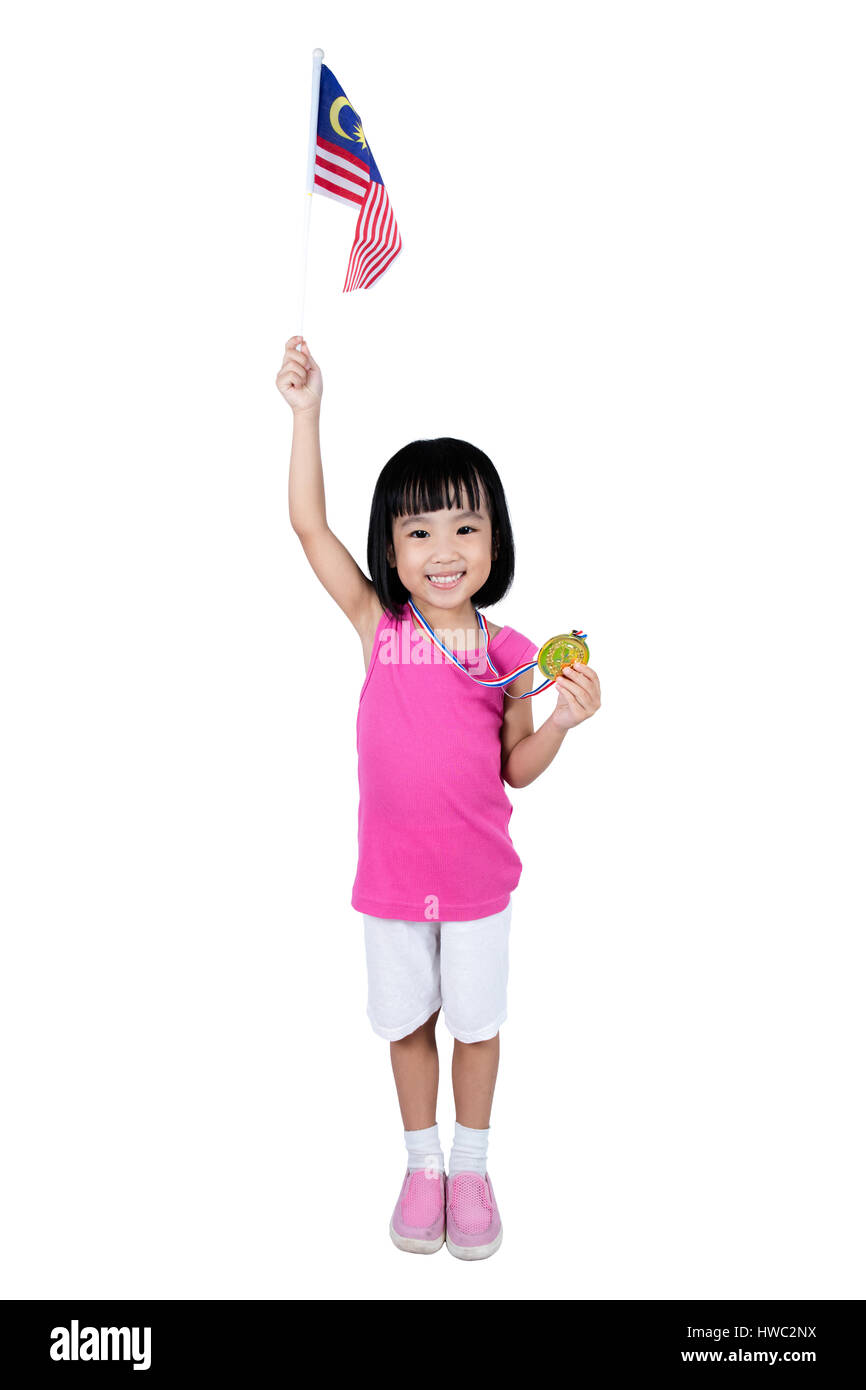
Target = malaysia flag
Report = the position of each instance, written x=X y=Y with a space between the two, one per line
x=346 y=170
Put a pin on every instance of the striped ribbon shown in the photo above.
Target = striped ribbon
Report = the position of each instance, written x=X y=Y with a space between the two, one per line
x=500 y=681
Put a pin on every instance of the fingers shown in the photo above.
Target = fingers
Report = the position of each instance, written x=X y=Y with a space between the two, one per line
x=580 y=683
x=303 y=359
x=291 y=375
x=574 y=694
x=580 y=672
x=297 y=349
x=297 y=365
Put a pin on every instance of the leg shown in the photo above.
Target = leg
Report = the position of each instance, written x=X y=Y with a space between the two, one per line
x=403 y=1003
x=418 y=1219
x=474 y=973
x=415 y=1063
x=403 y=988
x=473 y=1075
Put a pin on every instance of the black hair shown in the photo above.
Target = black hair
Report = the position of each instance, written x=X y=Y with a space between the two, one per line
x=426 y=476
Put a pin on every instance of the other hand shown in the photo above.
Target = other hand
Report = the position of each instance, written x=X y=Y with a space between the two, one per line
x=579 y=696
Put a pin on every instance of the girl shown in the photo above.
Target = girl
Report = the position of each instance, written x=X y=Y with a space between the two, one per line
x=436 y=865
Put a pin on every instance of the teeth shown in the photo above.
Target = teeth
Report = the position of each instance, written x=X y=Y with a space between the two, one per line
x=446 y=581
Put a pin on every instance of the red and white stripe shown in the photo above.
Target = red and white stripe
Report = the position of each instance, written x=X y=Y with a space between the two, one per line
x=339 y=175
x=377 y=241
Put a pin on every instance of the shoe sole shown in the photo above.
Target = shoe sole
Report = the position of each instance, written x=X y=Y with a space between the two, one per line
x=474 y=1252
x=414 y=1246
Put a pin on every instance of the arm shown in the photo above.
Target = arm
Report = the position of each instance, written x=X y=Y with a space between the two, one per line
x=300 y=383
x=525 y=754
x=533 y=754
x=306 y=478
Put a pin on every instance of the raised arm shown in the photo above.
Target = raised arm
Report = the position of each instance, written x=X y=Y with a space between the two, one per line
x=299 y=381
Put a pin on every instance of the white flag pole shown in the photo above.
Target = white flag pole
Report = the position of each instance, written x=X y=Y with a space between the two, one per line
x=318 y=55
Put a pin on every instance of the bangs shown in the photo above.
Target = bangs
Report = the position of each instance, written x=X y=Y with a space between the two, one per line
x=448 y=481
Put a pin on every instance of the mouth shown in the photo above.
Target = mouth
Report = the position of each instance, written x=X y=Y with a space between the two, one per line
x=445 y=581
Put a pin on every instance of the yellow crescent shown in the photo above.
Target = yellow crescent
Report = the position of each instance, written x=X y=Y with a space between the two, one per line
x=336 y=107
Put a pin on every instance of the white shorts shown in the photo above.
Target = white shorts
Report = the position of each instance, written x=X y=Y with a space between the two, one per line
x=414 y=968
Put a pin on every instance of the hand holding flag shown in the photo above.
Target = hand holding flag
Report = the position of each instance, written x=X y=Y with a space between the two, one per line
x=299 y=380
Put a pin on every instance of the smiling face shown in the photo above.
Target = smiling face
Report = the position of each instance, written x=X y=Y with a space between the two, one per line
x=443 y=558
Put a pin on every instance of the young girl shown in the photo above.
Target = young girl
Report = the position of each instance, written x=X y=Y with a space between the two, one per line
x=436 y=865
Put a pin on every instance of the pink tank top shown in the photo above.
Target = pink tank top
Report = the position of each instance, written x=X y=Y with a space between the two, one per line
x=433 y=841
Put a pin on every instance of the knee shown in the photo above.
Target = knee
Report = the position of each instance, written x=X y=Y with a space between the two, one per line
x=428 y=1029
x=425 y=1034
x=492 y=1041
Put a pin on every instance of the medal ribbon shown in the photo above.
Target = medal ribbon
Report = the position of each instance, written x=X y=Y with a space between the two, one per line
x=500 y=681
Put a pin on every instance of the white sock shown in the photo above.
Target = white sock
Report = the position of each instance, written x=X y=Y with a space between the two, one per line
x=469 y=1154
x=424 y=1149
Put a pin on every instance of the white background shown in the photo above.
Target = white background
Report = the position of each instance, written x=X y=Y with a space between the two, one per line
x=633 y=274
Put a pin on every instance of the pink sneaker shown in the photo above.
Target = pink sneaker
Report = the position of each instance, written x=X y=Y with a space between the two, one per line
x=474 y=1227
x=418 y=1223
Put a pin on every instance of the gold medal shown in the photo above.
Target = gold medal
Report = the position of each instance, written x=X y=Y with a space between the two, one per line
x=567 y=649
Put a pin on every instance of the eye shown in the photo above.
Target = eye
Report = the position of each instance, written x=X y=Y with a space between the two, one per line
x=419 y=531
